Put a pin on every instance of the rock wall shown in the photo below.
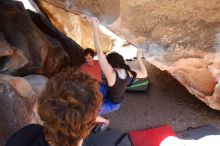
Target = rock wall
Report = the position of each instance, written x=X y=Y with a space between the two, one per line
x=178 y=36
x=17 y=101
x=74 y=26
x=182 y=37
x=29 y=44
x=33 y=46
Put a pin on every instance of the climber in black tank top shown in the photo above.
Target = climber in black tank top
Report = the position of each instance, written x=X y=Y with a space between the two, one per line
x=112 y=65
x=117 y=91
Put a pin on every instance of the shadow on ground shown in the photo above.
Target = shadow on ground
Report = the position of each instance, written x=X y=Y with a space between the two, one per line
x=166 y=102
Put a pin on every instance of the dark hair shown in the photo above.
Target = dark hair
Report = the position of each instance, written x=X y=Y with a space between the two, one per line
x=69 y=106
x=89 y=51
x=117 y=61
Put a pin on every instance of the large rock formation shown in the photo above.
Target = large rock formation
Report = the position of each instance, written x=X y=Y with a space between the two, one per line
x=17 y=100
x=74 y=26
x=178 y=36
x=182 y=37
x=33 y=46
x=12 y=116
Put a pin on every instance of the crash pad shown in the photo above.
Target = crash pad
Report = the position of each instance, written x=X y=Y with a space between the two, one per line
x=110 y=137
x=138 y=85
x=151 y=137
x=198 y=132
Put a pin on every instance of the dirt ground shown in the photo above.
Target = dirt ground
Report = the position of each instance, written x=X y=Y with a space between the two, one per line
x=165 y=102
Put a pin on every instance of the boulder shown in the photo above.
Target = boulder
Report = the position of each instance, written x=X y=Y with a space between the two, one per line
x=17 y=100
x=27 y=49
x=176 y=36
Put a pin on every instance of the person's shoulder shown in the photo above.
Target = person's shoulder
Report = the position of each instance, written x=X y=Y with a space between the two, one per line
x=30 y=128
x=84 y=65
x=96 y=62
x=34 y=126
x=24 y=135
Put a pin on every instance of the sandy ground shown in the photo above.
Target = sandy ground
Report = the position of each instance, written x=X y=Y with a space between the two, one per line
x=165 y=102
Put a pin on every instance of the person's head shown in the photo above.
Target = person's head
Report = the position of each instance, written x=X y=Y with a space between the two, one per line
x=69 y=106
x=88 y=55
x=117 y=61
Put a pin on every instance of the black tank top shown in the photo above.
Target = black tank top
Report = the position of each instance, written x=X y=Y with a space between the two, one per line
x=117 y=91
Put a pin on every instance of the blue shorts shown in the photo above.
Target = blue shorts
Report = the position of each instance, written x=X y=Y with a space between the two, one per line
x=107 y=105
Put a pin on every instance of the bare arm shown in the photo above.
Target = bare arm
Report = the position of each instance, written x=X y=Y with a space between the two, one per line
x=100 y=119
x=105 y=66
x=142 y=73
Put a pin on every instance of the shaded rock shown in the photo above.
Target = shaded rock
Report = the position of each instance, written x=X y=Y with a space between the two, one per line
x=5 y=49
x=17 y=100
x=74 y=50
x=37 y=82
x=213 y=101
x=33 y=50
x=14 y=63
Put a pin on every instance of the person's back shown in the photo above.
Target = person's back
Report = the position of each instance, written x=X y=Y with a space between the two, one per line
x=109 y=65
x=116 y=92
x=31 y=135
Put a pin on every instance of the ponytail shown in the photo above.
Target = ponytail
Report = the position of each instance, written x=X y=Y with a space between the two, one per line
x=127 y=68
x=117 y=61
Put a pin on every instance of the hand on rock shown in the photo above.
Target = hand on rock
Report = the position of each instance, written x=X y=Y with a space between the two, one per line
x=94 y=22
x=139 y=53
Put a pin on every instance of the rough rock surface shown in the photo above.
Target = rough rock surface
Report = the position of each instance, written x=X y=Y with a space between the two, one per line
x=5 y=49
x=38 y=84
x=165 y=102
x=74 y=26
x=26 y=49
x=18 y=106
x=177 y=36
x=17 y=100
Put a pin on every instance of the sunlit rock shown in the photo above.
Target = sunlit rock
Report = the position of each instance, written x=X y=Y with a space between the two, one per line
x=178 y=36
x=108 y=10
x=194 y=74
x=74 y=26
